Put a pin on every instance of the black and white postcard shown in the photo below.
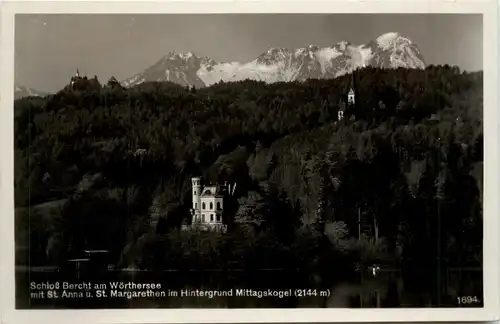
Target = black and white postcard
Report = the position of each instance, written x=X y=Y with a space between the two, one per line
x=216 y=163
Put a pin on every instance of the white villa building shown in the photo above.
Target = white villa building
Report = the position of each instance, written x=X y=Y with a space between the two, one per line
x=208 y=205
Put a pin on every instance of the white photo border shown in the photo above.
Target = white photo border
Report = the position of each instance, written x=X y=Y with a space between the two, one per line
x=489 y=10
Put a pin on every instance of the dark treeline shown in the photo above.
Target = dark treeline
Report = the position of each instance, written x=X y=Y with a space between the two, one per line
x=398 y=181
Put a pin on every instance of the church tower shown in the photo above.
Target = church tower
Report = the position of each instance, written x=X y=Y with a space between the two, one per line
x=351 y=100
x=75 y=78
x=196 y=187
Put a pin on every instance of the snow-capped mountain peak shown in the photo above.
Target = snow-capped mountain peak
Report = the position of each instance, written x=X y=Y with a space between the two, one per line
x=21 y=92
x=186 y=55
x=394 y=50
x=392 y=39
x=342 y=45
x=387 y=39
x=273 y=56
x=390 y=50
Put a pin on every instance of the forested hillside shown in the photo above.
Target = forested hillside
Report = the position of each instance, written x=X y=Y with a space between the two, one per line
x=110 y=167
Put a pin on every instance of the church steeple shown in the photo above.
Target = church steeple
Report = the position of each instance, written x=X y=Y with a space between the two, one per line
x=350 y=100
x=351 y=95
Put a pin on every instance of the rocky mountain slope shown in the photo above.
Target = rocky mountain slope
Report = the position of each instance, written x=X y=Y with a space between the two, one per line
x=21 y=92
x=390 y=50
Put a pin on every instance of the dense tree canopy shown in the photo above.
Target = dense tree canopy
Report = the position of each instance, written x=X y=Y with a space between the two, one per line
x=399 y=180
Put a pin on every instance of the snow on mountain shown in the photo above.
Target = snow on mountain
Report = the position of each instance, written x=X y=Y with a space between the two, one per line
x=390 y=50
x=180 y=68
x=21 y=92
x=395 y=51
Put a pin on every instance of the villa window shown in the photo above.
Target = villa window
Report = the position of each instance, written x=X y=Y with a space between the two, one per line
x=211 y=217
x=195 y=192
x=203 y=218
x=203 y=206
x=218 y=205
x=211 y=206
x=218 y=218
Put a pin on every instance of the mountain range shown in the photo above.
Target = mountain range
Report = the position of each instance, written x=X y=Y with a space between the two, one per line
x=21 y=92
x=389 y=50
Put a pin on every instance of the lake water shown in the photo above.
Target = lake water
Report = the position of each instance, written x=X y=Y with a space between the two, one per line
x=389 y=289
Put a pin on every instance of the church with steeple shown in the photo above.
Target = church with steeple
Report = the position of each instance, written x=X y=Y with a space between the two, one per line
x=75 y=77
x=79 y=82
x=351 y=100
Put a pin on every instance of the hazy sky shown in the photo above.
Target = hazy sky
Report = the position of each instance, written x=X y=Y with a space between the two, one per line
x=49 y=48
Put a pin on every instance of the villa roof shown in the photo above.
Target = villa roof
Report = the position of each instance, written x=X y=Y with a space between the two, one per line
x=211 y=191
